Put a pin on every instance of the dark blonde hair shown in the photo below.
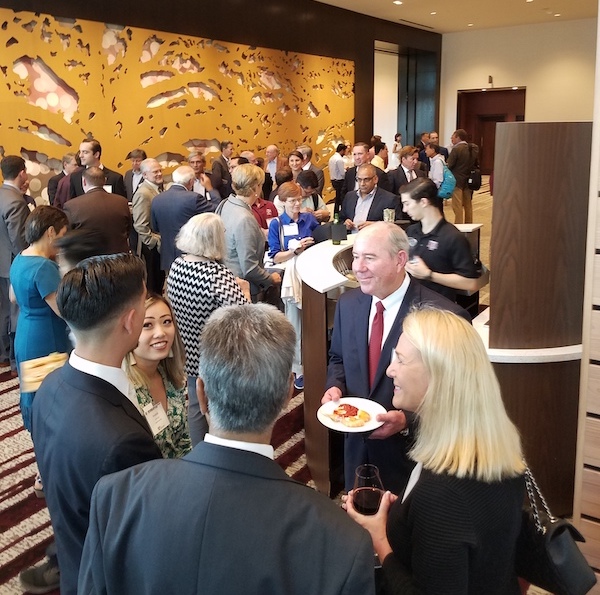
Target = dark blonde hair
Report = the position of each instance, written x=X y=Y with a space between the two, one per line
x=172 y=366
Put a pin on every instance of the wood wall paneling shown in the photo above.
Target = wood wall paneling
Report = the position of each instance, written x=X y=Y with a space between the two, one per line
x=593 y=389
x=591 y=547
x=595 y=336
x=596 y=281
x=591 y=449
x=540 y=191
x=542 y=400
x=590 y=505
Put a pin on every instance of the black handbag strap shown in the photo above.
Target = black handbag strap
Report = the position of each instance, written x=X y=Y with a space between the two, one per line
x=534 y=493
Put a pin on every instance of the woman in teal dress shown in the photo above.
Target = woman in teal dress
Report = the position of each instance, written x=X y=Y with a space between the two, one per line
x=155 y=368
x=34 y=278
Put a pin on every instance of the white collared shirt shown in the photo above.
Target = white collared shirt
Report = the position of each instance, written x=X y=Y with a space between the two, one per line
x=363 y=205
x=114 y=376
x=392 y=304
x=266 y=450
x=136 y=179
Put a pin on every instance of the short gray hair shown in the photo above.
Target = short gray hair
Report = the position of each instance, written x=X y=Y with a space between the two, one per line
x=147 y=164
x=396 y=237
x=203 y=235
x=306 y=151
x=183 y=174
x=246 y=355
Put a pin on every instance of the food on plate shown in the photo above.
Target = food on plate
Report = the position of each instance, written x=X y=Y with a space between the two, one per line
x=350 y=416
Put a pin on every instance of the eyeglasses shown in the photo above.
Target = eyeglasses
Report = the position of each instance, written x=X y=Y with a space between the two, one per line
x=364 y=180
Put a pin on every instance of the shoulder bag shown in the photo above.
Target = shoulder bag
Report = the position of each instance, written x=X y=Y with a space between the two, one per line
x=547 y=555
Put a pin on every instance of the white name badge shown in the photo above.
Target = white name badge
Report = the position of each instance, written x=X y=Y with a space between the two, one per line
x=290 y=230
x=156 y=417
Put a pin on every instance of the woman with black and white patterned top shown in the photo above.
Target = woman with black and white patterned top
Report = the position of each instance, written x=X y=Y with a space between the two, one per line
x=197 y=285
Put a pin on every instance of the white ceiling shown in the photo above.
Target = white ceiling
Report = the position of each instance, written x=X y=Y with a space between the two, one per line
x=456 y=15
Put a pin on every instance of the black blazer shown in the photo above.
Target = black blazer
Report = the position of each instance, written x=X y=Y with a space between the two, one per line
x=53 y=185
x=220 y=521
x=397 y=179
x=113 y=179
x=382 y=200
x=83 y=428
x=349 y=370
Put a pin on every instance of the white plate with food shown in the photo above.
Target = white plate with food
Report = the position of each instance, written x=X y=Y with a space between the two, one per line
x=351 y=414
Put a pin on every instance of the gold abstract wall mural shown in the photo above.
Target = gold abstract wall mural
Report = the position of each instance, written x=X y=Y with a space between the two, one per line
x=66 y=79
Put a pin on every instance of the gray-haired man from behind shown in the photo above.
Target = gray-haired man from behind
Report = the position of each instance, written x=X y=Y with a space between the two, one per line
x=230 y=520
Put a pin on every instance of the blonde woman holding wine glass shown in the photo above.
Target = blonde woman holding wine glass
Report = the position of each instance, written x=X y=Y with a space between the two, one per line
x=455 y=528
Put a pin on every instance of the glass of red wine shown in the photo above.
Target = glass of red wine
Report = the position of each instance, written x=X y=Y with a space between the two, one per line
x=368 y=489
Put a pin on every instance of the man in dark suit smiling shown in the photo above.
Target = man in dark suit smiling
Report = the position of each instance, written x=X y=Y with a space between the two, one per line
x=363 y=206
x=386 y=292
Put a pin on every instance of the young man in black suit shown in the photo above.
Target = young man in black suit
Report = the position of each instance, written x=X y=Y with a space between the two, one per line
x=86 y=421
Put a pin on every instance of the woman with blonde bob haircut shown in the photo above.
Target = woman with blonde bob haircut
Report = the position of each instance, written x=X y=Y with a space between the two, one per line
x=244 y=239
x=198 y=284
x=455 y=529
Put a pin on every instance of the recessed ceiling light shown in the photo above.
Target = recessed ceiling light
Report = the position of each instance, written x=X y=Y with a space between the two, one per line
x=484 y=90
x=397 y=2
x=528 y=1
x=515 y=88
x=433 y=12
x=470 y=25
x=557 y=14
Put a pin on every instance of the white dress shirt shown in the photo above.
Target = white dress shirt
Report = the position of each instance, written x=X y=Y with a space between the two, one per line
x=266 y=450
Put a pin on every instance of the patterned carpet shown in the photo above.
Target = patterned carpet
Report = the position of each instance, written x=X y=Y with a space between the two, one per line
x=25 y=529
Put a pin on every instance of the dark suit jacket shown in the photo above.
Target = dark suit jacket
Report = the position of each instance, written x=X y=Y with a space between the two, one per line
x=13 y=213
x=461 y=161
x=128 y=181
x=83 y=428
x=221 y=178
x=349 y=370
x=382 y=200
x=320 y=177
x=397 y=178
x=53 y=185
x=220 y=521
x=113 y=178
x=350 y=180
x=171 y=209
x=105 y=212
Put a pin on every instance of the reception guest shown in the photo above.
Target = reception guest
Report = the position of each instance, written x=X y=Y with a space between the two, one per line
x=380 y=255
x=197 y=285
x=155 y=368
x=455 y=529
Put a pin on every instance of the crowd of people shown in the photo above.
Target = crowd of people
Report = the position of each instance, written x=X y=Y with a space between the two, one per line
x=153 y=439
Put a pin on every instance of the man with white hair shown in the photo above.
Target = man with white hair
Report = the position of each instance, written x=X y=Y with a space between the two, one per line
x=148 y=241
x=174 y=207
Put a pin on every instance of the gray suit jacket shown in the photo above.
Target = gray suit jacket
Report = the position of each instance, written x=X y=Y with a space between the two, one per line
x=141 y=205
x=13 y=213
x=252 y=530
x=245 y=243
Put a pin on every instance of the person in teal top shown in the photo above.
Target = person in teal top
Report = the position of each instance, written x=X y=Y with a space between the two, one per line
x=34 y=278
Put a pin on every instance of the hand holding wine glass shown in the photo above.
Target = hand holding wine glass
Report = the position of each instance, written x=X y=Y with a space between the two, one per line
x=368 y=489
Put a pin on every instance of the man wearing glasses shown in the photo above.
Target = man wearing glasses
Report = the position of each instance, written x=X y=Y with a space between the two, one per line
x=367 y=204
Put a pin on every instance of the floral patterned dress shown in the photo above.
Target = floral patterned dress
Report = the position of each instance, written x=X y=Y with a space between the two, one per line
x=174 y=441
